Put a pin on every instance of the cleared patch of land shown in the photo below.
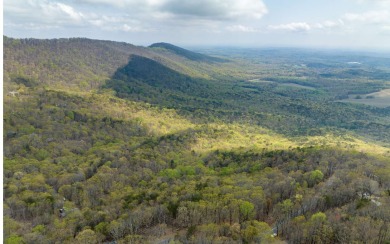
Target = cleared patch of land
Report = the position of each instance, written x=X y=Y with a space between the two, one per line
x=378 y=99
x=297 y=86
x=261 y=81
x=282 y=84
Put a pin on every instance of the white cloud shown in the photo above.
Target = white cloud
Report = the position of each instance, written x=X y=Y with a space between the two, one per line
x=61 y=10
x=242 y=28
x=371 y=17
x=305 y=27
x=348 y=22
x=328 y=24
x=45 y=14
x=196 y=21
x=294 y=27
x=133 y=15
x=205 y=9
x=126 y=3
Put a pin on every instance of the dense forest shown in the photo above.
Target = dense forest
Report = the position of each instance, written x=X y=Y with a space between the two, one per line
x=108 y=142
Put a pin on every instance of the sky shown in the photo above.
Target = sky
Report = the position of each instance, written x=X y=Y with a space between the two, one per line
x=351 y=24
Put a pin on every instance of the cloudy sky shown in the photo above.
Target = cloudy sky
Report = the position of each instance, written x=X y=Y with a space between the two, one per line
x=304 y=23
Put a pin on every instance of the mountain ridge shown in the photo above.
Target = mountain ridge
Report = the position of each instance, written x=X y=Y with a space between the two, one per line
x=95 y=58
x=186 y=53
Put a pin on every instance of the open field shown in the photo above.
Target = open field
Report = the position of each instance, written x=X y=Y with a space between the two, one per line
x=297 y=86
x=282 y=84
x=261 y=81
x=378 y=99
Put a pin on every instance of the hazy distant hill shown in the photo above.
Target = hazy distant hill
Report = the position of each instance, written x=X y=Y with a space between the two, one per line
x=186 y=53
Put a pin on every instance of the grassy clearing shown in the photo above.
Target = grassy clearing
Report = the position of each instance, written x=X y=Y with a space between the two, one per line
x=347 y=142
x=239 y=136
x=293 y=85
x=261 y=81
x=219 y=136
x=378 y=99
x=297 y=86
x=225 y=136
x=247 y=137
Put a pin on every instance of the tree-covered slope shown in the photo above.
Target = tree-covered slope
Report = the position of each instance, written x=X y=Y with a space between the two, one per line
x=75 y=63
x=64 y=62
x=186 y=53
x=287 y=109
x=106 y=162
x=166 y=149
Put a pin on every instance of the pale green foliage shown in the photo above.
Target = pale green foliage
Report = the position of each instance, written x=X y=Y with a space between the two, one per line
x=246 y=209
x=316 y=176
x=86 y=237
x=319 y=217
x=14 y=239
x=257 y=232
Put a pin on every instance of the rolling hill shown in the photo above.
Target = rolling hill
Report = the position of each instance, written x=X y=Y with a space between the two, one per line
x=107 y=141
x=186 y=53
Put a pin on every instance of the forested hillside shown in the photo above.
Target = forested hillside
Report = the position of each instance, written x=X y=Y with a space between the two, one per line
x=109 y=142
